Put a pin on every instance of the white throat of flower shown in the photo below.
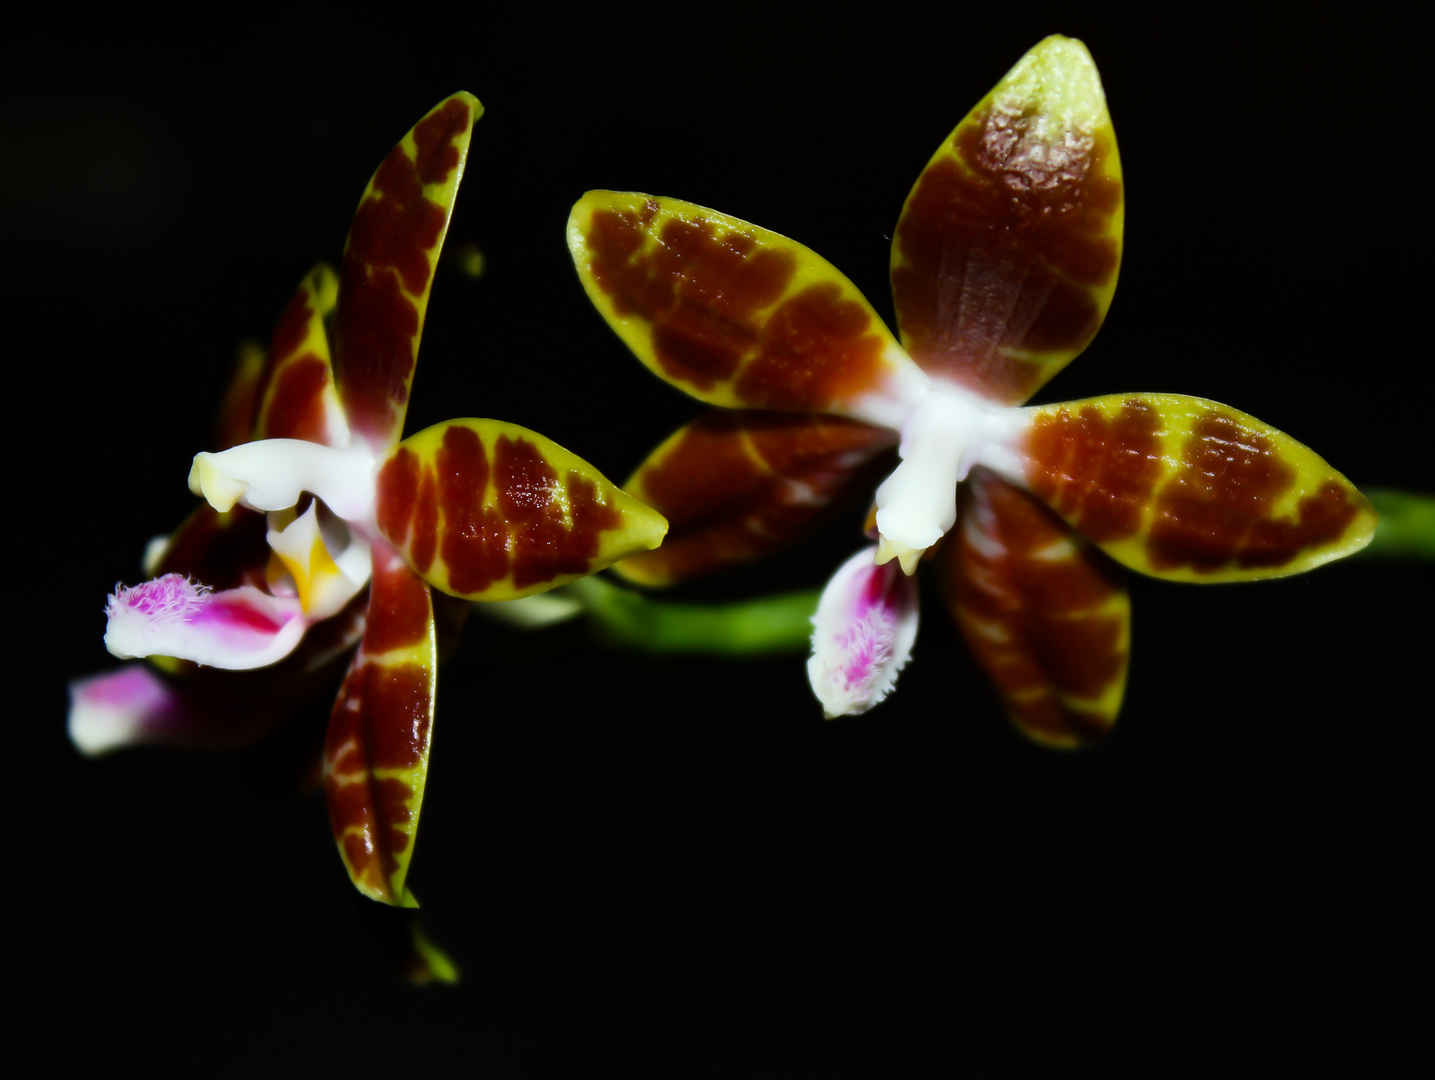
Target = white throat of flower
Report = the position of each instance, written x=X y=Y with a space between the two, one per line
x=947 y=432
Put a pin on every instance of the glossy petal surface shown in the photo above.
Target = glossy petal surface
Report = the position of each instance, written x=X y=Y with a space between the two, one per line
x=1191 y=490
x=492 y=511
x=1045 y=613
x=377 y=749
x=735 y=485
x=296 y=395
x=387 y=269
x=1005 y=257
x=733 y=314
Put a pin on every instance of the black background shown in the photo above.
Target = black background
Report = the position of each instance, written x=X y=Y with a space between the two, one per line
x=676 y=868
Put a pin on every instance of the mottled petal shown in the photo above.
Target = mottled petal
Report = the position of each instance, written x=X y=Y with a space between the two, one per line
x=492 y=511
x=387 y=270
x=235 y=629
x=862 y=634
x=736 y=315
x=1190 y=490
x=296 y=397
x=738 y=484
x=1004 y=260
x=377 y=748
x=1045 y=613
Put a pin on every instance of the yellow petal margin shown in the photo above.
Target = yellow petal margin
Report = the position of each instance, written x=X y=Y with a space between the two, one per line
x=733 y=314
x=1191 y=490
x=387 y=270
x=492 y=511
x=297 y=399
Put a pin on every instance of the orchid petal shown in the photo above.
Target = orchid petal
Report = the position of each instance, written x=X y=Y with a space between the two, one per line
x=735 y=485
x=377 y=748
x=297 y=398
x=235 y=629
x=387 y=270
x=1004 y=260
x=1190 y=490
x=1045 y=613
x=736 y=315
x=862 y=634
x=492 y=511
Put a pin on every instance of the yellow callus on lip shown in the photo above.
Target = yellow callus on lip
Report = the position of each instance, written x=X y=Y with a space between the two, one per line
x=297 y=545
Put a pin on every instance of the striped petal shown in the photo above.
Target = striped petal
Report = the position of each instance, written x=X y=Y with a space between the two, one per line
x=1045 y=613
x=296 y=397
x=736 y=485
x=388 y=265
x=1004 y=260
x=377 y=748
x=735 y=315
x=492 y=511
x=1190 y=490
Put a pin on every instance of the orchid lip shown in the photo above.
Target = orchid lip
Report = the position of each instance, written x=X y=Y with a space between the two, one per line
x=862 y=636
x=236 y=629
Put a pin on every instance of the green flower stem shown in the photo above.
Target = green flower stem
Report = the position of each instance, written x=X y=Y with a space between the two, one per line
x=634 y=619
x=1407 y=525
x=772 y=624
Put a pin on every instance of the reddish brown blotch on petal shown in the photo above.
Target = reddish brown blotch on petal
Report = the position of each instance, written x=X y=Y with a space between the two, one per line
x=385 y=274
x=1044 y=612
x=376 y=749
x=737 y=484
x=1097 y=470
x=1008 y=247
x=1219 y=507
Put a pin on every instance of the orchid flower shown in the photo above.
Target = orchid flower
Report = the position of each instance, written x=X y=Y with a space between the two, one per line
x=323 y=530
x=1004 y=262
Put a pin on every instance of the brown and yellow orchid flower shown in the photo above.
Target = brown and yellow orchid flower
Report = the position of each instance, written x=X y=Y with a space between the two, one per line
x=322 y=503
x=1004 y=262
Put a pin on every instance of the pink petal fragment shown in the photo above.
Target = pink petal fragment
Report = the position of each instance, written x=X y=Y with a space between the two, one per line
x=236 y=629
x=862 y=634
x=135 y=706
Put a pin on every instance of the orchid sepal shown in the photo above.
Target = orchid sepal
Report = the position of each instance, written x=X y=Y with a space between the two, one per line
x=1187 y=489
x=386 y=273
x=376 y=751
x=487 y=510
x=1045 y=613
x=734 y=314
x=1006 y=254
x=296 y=397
